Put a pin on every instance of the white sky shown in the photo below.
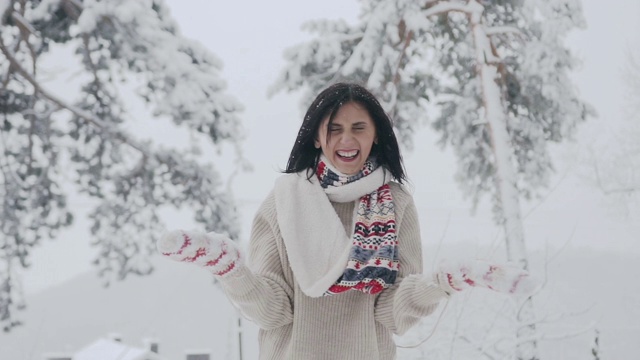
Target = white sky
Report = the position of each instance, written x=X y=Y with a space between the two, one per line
x=250 y=38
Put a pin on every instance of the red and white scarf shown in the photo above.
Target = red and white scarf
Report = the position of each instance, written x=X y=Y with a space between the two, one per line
x=373 y=259
x=319 y=249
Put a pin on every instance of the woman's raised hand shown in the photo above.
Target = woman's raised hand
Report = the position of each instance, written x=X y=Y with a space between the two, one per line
x=214 y=252
x=505 y=278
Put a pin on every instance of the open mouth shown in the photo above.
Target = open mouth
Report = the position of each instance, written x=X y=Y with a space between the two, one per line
x=347 y=155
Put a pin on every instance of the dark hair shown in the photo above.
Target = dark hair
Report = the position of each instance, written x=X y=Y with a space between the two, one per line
x=305 y=155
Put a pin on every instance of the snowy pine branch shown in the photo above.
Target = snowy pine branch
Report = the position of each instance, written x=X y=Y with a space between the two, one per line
x=443 y=7
x=497 y=30
x=116 y=133
x=130 y=180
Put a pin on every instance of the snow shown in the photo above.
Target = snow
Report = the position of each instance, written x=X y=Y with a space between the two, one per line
x=106 y=349
x=4 y=5
x=43 y=10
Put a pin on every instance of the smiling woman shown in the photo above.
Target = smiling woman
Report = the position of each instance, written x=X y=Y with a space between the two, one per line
x=335 y=262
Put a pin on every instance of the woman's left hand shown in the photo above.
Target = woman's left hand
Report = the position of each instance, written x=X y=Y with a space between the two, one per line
x=505 y=278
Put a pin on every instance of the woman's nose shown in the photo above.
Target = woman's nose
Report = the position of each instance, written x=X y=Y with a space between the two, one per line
x=347 y=138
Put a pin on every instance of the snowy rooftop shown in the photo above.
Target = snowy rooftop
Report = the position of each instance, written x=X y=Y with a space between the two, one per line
x=106 y=349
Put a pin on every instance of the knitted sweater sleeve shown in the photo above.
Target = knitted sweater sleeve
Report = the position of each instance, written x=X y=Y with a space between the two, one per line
x=261 y=291
x=414 y=295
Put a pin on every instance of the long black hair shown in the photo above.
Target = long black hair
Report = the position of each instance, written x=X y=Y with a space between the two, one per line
x=305 y=155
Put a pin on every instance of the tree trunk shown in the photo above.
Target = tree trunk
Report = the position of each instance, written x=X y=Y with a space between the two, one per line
x=495 y=117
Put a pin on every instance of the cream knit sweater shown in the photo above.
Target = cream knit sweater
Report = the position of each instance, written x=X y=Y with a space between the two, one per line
x=350 y=325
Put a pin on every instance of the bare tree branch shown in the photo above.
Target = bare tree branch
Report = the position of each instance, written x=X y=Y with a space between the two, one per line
x=563 y=336
x=551 y=318
x=477 y=347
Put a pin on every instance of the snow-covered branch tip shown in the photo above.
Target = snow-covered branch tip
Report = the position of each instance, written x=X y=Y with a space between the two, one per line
x=442 y=7
x=22 y=23
x=498 y=30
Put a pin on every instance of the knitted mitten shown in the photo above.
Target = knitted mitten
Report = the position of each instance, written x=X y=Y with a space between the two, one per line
x=213 y=251
x=506 y=278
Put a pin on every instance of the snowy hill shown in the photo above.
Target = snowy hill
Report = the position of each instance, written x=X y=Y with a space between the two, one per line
x=182 y=308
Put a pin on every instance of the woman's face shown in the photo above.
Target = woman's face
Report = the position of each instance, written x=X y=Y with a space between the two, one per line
x=348 y=141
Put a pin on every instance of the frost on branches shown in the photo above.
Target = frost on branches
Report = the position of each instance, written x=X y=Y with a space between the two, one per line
x=47 y=141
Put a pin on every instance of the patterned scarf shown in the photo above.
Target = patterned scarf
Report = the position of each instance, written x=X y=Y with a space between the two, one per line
x=373 y=259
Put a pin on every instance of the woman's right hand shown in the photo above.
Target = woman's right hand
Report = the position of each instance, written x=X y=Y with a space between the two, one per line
x=214 y=252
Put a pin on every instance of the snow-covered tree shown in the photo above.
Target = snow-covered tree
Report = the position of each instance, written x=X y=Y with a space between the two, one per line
x=496 y=73
x=46 y=139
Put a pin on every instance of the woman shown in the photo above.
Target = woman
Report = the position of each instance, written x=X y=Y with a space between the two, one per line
x=335 y=253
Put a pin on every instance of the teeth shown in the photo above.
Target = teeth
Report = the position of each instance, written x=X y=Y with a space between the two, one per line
x=349 y=154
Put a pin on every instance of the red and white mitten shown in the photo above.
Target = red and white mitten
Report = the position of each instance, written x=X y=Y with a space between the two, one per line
x=214 y=252
x=505 y=278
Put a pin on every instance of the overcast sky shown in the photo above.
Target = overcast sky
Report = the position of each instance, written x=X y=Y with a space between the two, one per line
x=250 y=37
